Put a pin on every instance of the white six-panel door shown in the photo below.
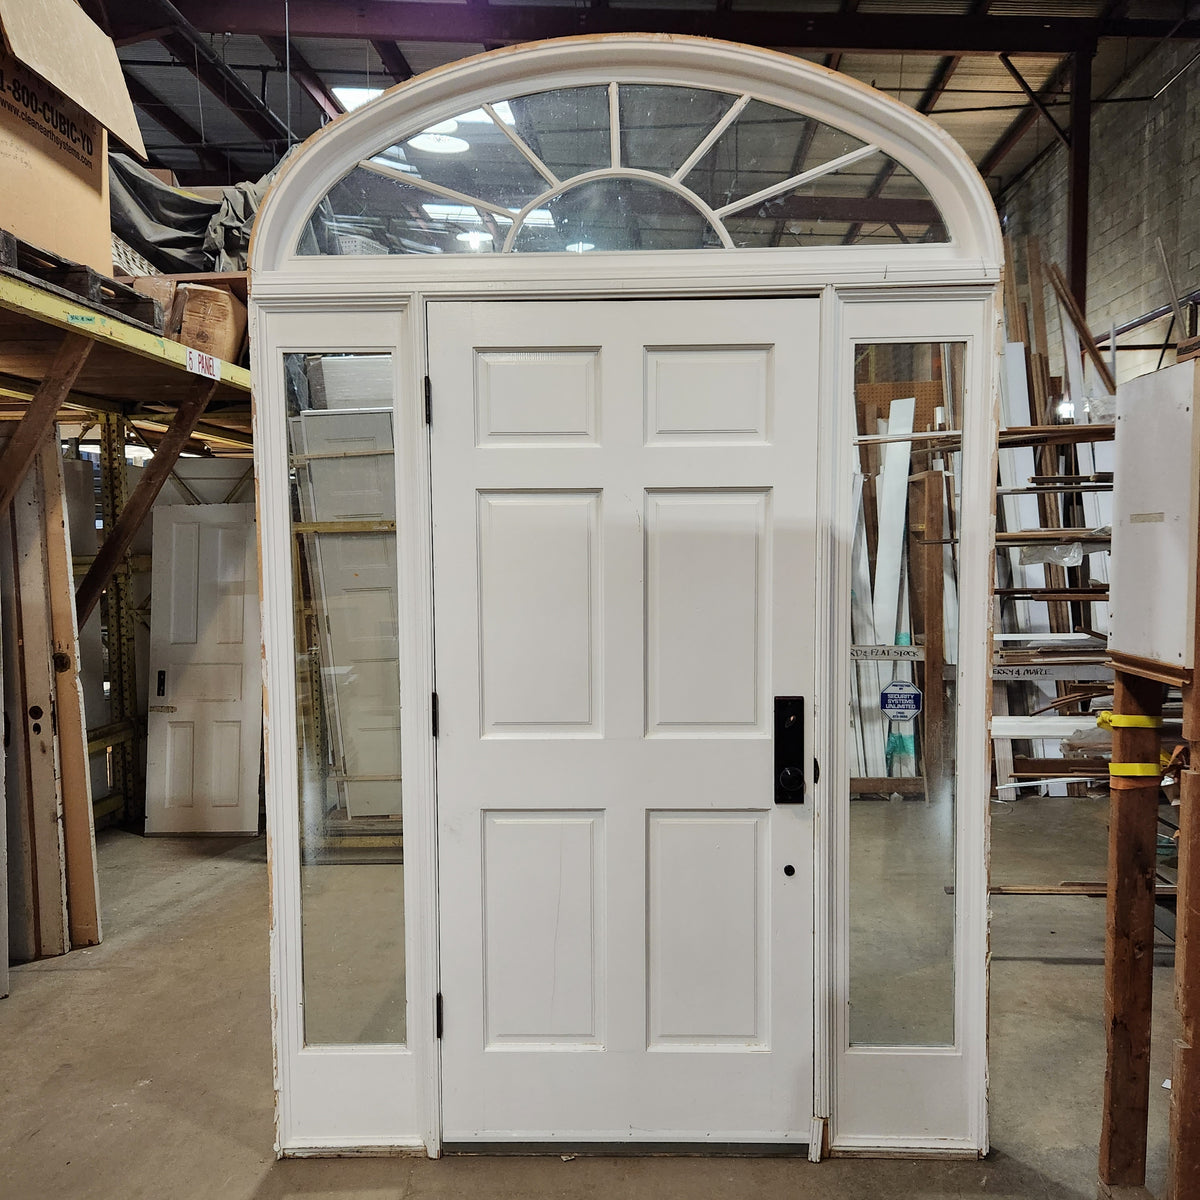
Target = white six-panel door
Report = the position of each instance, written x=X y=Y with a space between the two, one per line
x=624 y=499
x=204 y=727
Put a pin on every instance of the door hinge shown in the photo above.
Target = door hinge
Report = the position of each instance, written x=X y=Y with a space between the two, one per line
x=438 y=1016
x=428 y=401
x=433 y=718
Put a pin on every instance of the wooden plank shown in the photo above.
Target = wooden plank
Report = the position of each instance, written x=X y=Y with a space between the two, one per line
x=1051 y=537
x=21 y=929
x=1040 y=342
x=1162 y=890
x=78 y=830
x=154 y=474
x=926 y=492
x=4 y=948
x=886 y=784
x=23 y=443
x=1038 y=768
x=1050 y=435
x=1183 y=1159
x=1068 y=302
x=32 y=727
x=1129 y=940
x=1013 y=309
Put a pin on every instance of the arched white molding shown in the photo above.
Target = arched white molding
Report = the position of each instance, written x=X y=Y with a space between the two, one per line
x=918 y=144
x=667 y=185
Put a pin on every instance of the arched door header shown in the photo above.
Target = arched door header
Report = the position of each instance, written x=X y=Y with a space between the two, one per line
x=629 y=142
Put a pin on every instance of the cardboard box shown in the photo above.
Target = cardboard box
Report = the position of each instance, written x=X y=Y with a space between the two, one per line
x=55 y=113
x=160 y=288
x=206 y=318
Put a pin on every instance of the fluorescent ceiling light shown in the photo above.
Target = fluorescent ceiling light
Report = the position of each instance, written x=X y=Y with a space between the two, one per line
x=475 y=238
x=439 y=143
x=539 y=216
x=393 y=157
x=477 y=116
x=462 y=213
x=580 y=247
x=355 y=97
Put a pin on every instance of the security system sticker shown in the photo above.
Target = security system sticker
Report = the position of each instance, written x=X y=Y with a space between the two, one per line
x=900 y=700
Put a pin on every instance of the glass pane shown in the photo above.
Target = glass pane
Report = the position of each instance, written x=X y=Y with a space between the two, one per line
x=472 y=156
x=903 y=692
x=367 y=213
x=567 y=129
x=873 y=201
x=343 y=499
x=764 y=146
x=661 y=126
x=616 y=214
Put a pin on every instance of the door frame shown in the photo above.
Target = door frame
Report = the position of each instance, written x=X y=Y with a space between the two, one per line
x=387 y=312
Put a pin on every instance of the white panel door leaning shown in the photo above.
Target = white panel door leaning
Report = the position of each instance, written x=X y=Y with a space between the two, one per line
x=624 y=507
x=204 y=727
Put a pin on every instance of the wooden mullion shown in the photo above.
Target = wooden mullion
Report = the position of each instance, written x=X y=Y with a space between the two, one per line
x=23 y=443
x=141 y=500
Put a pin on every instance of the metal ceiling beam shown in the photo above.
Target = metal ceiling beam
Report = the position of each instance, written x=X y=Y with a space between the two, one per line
x=884 y=33
x=159 y=111
x=1114 y=11
x=1035 y=99
x=1079 y=158
x=394 y=62
x=291 y=60
x=1010 y=138
x=191 y=48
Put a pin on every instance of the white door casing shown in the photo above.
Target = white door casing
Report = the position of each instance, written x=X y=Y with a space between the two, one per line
x=205 y=713
x=625 y=543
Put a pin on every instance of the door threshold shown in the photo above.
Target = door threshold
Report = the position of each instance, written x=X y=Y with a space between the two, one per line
x=629 y=1149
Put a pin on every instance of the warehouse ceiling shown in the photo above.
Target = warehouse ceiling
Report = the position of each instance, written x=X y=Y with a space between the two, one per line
x=223 y=87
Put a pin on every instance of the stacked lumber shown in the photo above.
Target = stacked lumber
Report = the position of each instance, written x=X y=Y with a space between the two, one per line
x=1050 y=531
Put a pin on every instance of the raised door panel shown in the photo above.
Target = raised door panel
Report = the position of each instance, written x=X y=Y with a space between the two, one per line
x=707 y=610
x=539 y=613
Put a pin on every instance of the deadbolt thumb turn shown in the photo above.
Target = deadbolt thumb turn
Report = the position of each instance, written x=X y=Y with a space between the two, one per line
x=789 y=749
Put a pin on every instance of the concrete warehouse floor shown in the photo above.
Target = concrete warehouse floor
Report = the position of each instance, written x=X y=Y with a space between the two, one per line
x=142 y=1068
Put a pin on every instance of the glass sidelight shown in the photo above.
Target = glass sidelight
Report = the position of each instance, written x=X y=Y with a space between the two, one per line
x=343 y=511
x=903 y=692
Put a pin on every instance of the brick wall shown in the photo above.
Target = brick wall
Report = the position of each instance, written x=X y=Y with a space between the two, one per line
x=1145 y=183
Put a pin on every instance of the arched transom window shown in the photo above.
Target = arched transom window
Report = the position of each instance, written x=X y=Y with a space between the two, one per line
x=622 y=166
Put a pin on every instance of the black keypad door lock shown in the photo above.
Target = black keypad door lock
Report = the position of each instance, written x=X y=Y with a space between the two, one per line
x=789 y=749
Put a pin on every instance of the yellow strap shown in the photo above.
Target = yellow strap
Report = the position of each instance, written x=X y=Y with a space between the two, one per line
x=1134 y=769
x=1111 y=720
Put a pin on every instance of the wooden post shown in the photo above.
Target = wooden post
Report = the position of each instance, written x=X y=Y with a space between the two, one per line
x=926 y=556
x=1129 y=939
x=22 y=446
x=141 y=500
x=1183 y=1158
x=79 y=838
x=41 y=928
x=1183 y=1162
